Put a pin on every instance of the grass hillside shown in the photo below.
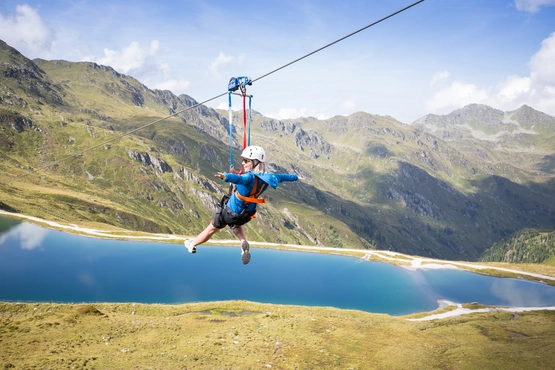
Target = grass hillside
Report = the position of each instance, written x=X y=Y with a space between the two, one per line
x=446 y=187
x=242 y=335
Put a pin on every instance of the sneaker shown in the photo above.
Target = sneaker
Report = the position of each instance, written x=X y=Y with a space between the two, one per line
x=245 y=252
x=190 y=248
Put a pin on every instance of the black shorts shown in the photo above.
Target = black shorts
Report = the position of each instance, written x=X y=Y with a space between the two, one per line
x=226 y=217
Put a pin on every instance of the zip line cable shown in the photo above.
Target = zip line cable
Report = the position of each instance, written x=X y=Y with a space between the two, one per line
x=336 y=41
x=131 y=132
x=218 y=96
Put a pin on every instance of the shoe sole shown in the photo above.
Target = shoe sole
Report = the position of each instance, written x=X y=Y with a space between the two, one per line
x=194 y=250
x=246 y=257
x=245 y=254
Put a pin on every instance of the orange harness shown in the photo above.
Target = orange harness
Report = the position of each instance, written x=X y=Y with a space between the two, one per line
x=253 y=196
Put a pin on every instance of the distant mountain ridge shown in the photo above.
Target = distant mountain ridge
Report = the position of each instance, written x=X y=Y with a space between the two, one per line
x=488 y=124
x=446 y=186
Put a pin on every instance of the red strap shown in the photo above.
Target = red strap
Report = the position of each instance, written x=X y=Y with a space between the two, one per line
x=245 y=118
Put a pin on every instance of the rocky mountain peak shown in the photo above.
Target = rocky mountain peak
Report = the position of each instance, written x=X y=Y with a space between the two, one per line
x=481 y=122
x=528 y=116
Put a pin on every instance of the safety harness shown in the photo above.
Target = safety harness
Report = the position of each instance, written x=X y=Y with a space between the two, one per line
x=253 y=196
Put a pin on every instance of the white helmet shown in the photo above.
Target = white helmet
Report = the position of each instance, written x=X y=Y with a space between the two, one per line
x=254 y=152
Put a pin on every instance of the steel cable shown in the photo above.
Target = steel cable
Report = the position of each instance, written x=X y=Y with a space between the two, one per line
x=220 y=95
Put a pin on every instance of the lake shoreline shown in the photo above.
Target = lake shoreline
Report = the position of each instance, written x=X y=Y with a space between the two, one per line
x=460 y=310
x=408 y=262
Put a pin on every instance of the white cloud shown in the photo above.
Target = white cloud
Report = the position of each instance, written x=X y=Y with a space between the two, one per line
x=532 y=6
x=130 y=58
x=456 y=95
x=222 y=105
x=348 y=105
x=290 y=113
x=513 y=88
x=28 y=235
x=542 y=75
x=285 y=113
x=438 y=77
x=536 y=90
x=177 y=86
x=26 y=32
x=223 y=60
x=542 y=64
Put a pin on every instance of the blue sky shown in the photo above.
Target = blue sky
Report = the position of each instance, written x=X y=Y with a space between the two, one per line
x=433 y=58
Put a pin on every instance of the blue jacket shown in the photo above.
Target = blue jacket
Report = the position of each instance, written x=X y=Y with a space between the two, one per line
x=245 y=183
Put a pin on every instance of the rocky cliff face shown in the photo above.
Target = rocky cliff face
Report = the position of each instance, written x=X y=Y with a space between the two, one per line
x=151 y=161
x=313 y=143
x=15 y=122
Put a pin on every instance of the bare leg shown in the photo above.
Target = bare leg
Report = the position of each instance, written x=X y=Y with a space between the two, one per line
x=245 y=249
x=205 y=235
x=239 y=233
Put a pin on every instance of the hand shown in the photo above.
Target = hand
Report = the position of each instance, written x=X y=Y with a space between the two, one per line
x=220 y=175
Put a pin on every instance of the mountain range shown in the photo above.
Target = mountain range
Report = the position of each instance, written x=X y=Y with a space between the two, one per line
x=82 y=143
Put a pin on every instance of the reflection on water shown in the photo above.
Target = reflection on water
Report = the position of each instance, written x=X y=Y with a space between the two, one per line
x=7 y=223
x=38 y=264
x=28 y=236
x=422 y=284
x=464 y=287
x=529 y=297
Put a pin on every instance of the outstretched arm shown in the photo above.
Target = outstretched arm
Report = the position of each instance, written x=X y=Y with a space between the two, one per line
x=243 y=179
x=286 y=177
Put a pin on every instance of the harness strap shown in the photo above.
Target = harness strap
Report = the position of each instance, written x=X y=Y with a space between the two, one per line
x=253 y=196
x=249 y=121
x=250 y=199
x=230 y=131
x=244 y=94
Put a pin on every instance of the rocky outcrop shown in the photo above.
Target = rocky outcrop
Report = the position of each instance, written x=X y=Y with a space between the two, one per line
x=312 y=142
x=17 y=123
x=149 y=160
x=279 y=127
x=208 y=185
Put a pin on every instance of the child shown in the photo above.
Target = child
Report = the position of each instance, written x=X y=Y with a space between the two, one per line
x=240 y=205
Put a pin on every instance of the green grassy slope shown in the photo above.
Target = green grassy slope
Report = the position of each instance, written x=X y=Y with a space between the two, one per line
x=249 y=335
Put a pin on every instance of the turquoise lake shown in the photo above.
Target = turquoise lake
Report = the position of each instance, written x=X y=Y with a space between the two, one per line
x=43 y=265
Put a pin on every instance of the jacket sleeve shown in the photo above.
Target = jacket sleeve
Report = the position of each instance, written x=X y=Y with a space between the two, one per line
x=238 y=179
x=286 y=177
